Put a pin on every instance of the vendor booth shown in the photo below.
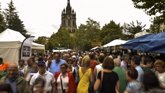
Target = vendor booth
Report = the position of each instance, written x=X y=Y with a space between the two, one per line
x=10 y=44
x=115 y=43
x=148 y=43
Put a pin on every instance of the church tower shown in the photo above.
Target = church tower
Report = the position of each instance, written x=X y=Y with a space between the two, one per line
x=68 y=18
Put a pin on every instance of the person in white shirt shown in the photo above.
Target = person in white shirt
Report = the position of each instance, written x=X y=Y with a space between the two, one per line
x=160 y=72
x=135 y=63
x=125 y=61
x=99 y=67
x=46 y=75
x=21 y=66
x=75 y=68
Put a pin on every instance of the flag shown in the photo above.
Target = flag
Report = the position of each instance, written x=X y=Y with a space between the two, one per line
x=26 y=50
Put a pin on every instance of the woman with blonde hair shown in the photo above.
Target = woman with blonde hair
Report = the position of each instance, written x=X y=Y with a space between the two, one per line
x=160 y=72
x=85 y=75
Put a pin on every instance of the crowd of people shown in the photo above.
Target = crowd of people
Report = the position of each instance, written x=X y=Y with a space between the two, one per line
x=89 y=72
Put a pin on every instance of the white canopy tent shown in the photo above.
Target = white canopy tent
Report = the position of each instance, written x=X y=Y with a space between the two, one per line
x=95 y=48
x=38 y=46
x=115 y=43
x=10 y=43
x=62 y=50
x=141 y=34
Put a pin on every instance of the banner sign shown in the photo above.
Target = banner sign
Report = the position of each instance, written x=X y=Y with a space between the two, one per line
x=26 y=50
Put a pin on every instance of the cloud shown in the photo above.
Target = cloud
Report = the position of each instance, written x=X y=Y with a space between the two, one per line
x=42 y=31
x=43 y=17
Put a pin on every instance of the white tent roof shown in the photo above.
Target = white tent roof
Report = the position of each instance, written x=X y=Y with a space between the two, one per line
x=63 y=50
x=14 y=36
x=37 y=46
x=10 y=35
x=95 y=48
x=10 y=43
x=141 y=34
x=115 y=43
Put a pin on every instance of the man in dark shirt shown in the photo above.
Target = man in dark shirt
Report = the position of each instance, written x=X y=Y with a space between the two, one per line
x=17 y=83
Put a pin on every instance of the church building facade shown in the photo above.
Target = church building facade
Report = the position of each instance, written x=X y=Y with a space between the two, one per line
x=68 y=18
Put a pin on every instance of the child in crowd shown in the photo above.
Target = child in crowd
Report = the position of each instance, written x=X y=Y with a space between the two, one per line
x=133 y=85
x=39 y=85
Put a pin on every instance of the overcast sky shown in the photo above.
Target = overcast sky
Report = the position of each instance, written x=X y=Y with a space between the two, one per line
x=43 y=17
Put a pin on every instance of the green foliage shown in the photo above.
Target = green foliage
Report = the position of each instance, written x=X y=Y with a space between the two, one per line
x=79 y=38
x=13 y=20
x=2 y=74
x=110 y=32
x=90 y=23
x=2 y=22
x=80 y=41
x=155 y=26
x=60 y=39
x=133 y=28
x=41 y=40
x=90 y=33
x=152 y=7
x=87 y=34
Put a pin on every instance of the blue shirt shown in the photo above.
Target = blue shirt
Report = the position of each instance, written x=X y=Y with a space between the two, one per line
x=55 y=67
x=134 y=87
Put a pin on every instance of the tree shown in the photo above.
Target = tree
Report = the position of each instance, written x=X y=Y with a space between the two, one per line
x=87 y=34
x=80 y=40
x=60 y=39
x=155 y=26
x=2 y=22
x=42 y=40
x=133 y=28
x=13 y=20
x=110 y=32
x=151 y=7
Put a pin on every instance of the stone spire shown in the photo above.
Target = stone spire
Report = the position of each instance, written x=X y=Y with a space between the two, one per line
x=68 y=18
x=68 y=7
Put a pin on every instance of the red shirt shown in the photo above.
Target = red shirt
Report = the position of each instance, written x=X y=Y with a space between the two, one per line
x=72 y=84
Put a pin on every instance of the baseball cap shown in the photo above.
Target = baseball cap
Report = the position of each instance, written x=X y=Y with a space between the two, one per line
x=41 y=63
